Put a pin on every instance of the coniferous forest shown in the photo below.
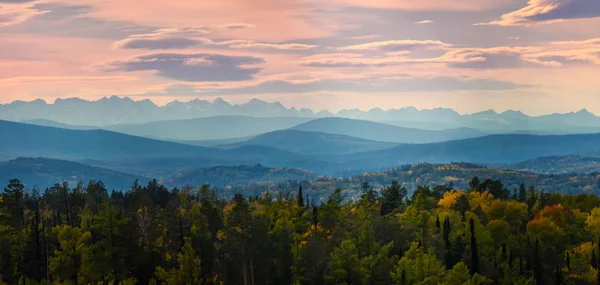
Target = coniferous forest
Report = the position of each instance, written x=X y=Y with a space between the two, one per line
x=149 y=234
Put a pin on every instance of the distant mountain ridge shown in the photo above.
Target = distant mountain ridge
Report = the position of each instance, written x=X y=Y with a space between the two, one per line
x=115 y=110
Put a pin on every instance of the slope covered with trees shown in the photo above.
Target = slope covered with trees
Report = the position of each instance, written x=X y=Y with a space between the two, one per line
x=441 y=235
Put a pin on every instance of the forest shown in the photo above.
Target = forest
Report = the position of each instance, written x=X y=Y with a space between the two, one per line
x=149 y=234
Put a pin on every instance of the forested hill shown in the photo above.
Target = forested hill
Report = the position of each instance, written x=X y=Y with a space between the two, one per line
x=152 y=235
x=458 y=175
x=42 y=173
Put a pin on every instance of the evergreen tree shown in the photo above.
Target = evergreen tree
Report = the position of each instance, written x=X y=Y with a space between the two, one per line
x=474 y=183
x=474 y=249
x=522 y=193
x=392 y=197
x=300 y=198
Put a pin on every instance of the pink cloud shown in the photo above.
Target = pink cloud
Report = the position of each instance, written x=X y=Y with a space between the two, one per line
x=189 y=37
x=16 y=13
x=550 y=11
x=396 y=45
x=260 y=20
x=428 y=5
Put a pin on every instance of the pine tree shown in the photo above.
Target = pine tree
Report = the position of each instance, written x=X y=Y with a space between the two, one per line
x=522 y=193
x=392 y=197
x=300 y=198
x=474 y=250
x=474 y=183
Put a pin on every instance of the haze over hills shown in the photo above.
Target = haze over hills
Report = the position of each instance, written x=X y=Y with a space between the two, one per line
x=44 y=172
x=487 y=150
x=313 y=143
x=115 y=110
x=209 y=128
x=31 y=140
x=154 y=158
x=137 y=155
x=383 y=132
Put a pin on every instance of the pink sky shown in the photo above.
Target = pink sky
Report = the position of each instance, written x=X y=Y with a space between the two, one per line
x=538 y=56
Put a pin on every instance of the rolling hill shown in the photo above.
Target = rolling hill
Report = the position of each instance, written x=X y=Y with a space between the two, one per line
x=313 y=143
x=33 y=141
x=44 y=172
x=209 y=128
x=560 y=164
x=238 y=175
x=383 y=132
x=138 y=155
x=488 y=150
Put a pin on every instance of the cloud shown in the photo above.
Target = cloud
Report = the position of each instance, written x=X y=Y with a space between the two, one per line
x=158 y=43
x=252 y=44
x=502 y=57
x=548 y=11
x=191 y=67
x=16 y=12
x=234 y=26
x=425 y=22
x=429 y=5
x=584 y=42
x=43 y=79
x=186 y=37
x=402 y=83
x=396 y=45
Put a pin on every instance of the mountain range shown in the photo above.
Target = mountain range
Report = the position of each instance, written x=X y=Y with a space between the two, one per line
x=115 y=111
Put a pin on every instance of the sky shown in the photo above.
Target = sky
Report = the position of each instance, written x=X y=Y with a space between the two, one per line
x=537 y=56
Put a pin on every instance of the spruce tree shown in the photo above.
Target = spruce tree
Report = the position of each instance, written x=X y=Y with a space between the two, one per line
x=522 y=193
x=300 y=197
x=474 y=250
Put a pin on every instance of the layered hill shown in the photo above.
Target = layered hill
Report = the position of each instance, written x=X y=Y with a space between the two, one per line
x=209 y=128
x=44 y=172
x=313 y=143
x=487 y=150
x=384 y=132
